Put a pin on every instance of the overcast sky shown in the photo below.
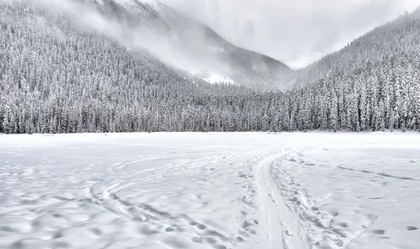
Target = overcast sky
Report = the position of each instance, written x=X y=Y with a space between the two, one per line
x=296 y=32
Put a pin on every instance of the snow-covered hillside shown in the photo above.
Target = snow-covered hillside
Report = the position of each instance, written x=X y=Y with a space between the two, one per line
x=237 y=190
x=207 y=50
x=63 y=74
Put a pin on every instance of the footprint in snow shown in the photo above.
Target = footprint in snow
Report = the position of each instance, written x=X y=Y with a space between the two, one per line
x=379 y=231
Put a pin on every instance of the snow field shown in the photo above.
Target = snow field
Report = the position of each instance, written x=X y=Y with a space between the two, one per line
x=214 y=190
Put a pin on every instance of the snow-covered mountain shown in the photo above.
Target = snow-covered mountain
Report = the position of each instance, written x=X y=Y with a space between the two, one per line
x=200 y=44
x=397 y=38
x=129 y=66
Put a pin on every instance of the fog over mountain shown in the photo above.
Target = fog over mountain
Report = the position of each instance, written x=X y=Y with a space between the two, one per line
x=148 y=26
x=296 y=32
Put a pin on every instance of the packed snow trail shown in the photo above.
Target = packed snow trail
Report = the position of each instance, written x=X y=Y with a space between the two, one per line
x=282 y=226
x=235 y=190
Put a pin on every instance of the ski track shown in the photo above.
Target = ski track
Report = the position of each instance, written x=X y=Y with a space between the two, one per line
x=238 y=191
x=282 y=228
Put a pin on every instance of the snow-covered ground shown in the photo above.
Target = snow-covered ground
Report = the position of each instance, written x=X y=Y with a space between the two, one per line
x=216 y=190
x=215 y=78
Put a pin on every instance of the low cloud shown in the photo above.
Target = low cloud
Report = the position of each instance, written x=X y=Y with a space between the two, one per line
x=294 y=31
x=137 y=37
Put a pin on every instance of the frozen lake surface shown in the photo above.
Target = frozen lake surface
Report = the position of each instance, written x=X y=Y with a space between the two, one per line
x=215 y=190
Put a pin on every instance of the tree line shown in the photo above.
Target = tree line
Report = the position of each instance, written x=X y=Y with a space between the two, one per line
x=55 y=78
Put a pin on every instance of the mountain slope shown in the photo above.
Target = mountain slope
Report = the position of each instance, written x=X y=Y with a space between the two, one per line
x=396 y=37
x=371 y=84
x=201 y=44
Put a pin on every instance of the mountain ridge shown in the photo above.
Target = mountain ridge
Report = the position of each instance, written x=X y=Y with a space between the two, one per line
x=247 y=66
x=355 y=52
